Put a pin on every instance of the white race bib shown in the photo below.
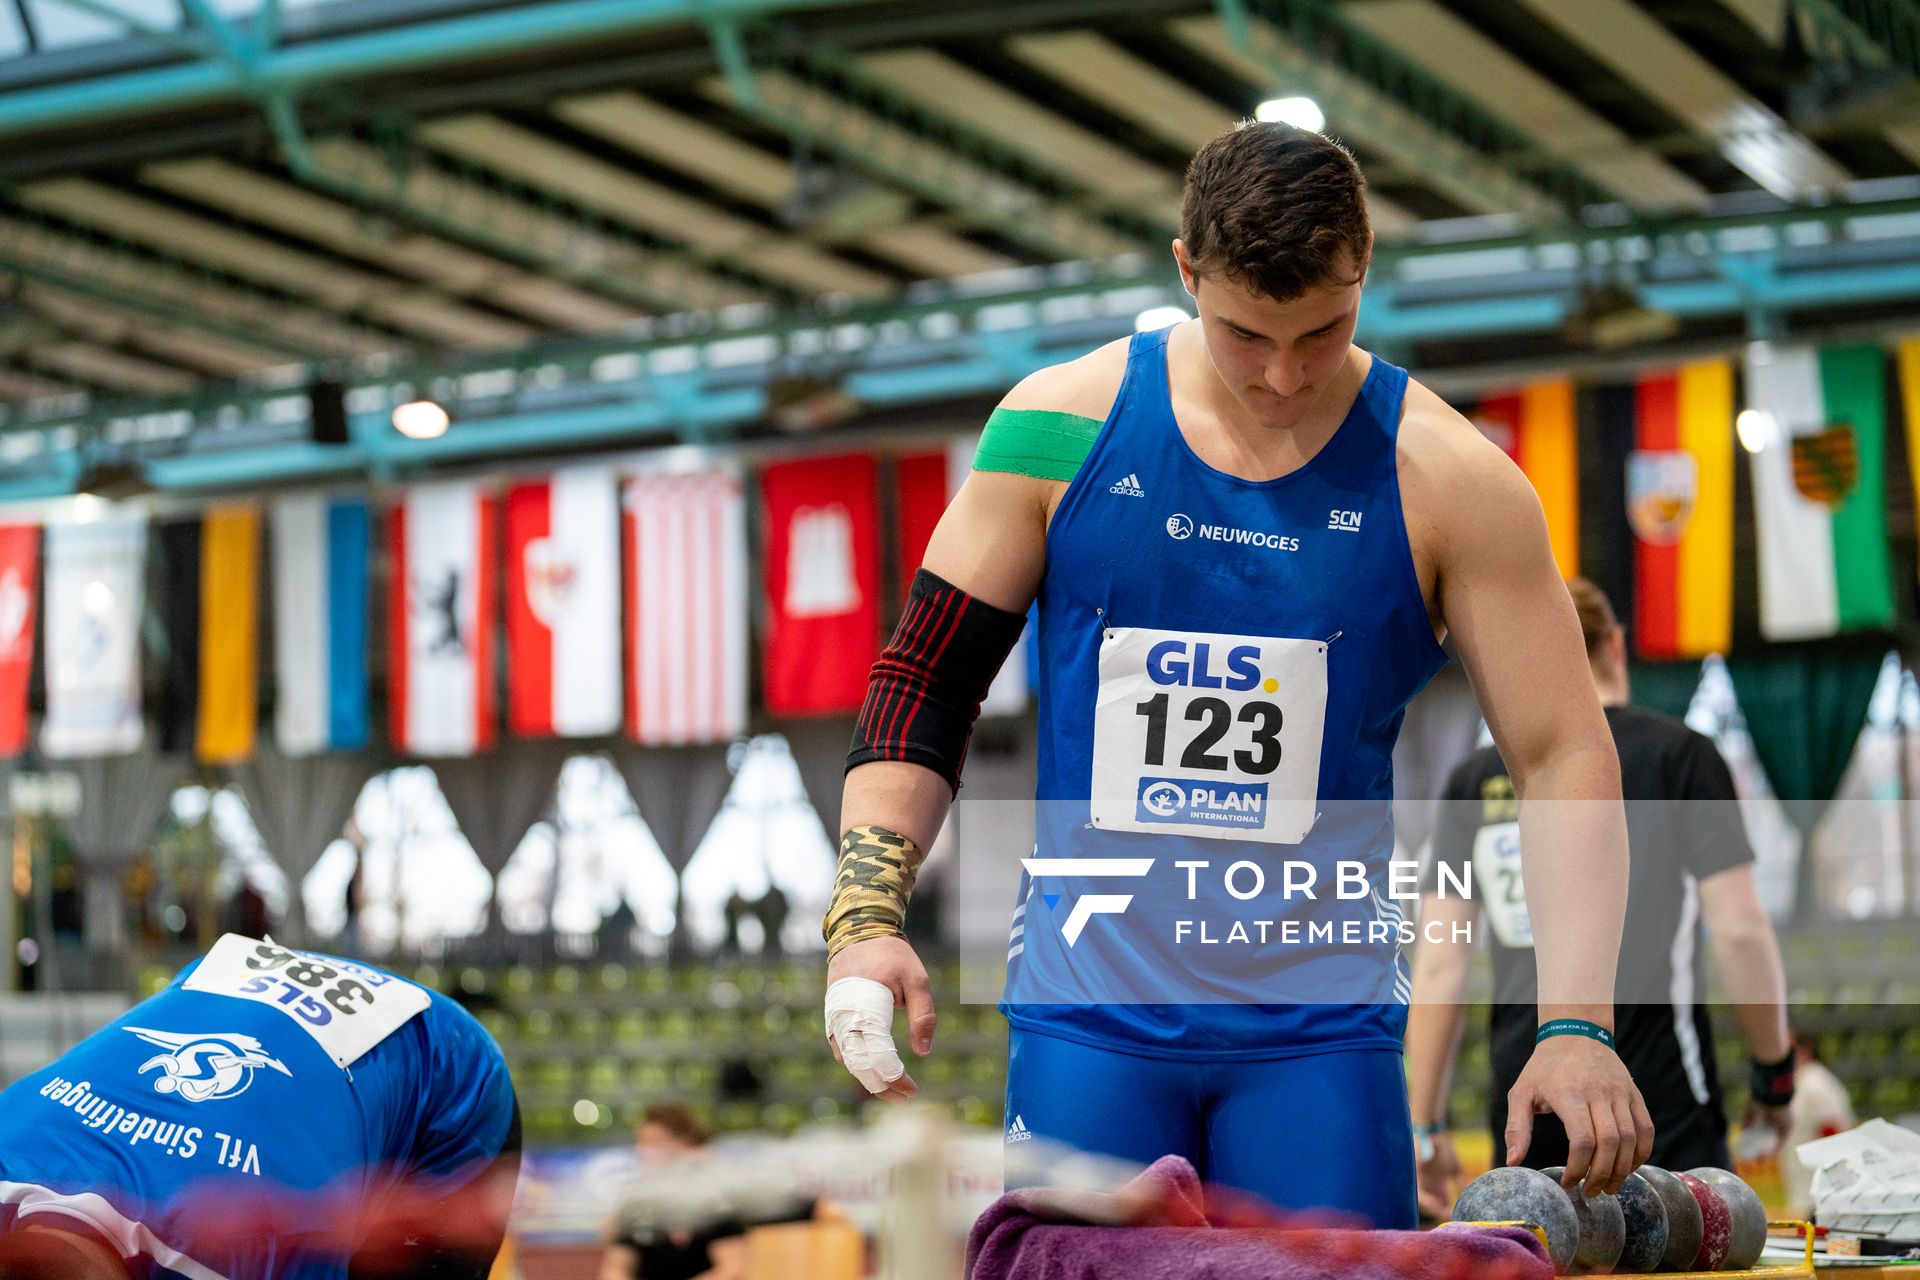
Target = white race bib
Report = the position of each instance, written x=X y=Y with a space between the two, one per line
x=347 y=1008
x=1497 y=883
x=1206 y=734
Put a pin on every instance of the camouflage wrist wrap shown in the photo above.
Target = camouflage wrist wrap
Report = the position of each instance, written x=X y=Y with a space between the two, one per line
x=870 y=891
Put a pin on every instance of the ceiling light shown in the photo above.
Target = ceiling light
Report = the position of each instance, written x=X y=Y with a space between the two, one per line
x=420 y=420
x=1158 y=318
x=1301 y=113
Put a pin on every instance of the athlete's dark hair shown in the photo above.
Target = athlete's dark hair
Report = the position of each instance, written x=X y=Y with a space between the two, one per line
x=678 y=1121
x=1597 y=620
x=1276 y=209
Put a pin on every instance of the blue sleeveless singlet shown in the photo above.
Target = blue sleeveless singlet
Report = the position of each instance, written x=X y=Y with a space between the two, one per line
x=1224 y=667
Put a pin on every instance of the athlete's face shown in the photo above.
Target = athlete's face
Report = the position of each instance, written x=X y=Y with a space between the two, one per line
x=1275 y=357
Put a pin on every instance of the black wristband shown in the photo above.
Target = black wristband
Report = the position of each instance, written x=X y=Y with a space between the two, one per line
x=1771 y=1084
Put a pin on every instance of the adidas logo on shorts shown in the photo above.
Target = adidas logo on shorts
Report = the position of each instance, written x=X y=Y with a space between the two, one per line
x=1017 y=1131
x=1128 y=488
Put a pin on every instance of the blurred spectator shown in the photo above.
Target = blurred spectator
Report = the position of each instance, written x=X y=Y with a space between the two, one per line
x=772 y=912
x=1820 y=1109
x=688 y=1213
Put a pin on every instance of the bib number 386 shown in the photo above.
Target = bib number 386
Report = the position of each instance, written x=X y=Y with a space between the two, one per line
x=1208 y=734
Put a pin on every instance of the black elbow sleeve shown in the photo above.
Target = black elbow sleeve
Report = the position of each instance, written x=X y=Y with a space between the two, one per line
x=926 y=689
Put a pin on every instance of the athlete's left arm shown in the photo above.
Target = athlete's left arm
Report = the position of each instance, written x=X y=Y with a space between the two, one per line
x=1489 y=572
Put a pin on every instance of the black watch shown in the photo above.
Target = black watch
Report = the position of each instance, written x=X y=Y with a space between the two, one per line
x=1772 y=1083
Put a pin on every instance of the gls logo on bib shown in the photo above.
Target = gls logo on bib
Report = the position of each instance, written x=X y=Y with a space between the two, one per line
x=1208 y=734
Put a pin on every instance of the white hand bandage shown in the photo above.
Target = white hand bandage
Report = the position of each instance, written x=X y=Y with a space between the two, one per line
x=860 y=1024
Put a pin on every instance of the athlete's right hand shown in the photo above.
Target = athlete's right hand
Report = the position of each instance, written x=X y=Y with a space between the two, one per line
x=866 y=982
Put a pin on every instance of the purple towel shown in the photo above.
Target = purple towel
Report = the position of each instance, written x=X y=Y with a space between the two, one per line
x=1161 y=1226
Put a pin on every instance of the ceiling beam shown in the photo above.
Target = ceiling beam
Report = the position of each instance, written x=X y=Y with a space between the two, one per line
x=1673 y=76
x=819 y=98
x=1370 y=94
x=516 y=31
x=143 y=283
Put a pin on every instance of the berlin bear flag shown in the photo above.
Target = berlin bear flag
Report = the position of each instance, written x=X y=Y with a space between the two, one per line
x=823 y=577
x=441 y=612
x=563 y=605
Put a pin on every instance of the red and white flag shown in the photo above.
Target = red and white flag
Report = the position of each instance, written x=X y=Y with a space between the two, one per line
x=822 y=566
x=563 y=605
x=19 y=556
x=686 y=607
x=441 y=614
x=925 y=484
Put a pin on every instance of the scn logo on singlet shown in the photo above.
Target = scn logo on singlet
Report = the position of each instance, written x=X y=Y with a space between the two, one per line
x=1181 y=527
x=201 y=1068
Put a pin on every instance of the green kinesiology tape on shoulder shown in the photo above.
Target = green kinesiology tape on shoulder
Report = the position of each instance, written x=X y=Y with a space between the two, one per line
x=1036 y=442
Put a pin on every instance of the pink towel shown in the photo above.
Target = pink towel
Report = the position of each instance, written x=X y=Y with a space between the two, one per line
x=1162 y=1226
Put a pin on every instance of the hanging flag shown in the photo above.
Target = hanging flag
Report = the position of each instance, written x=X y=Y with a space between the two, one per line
x=1909 y=360
x=1537 y=427
x=1680 y=507
x=96 y=583
x=441 y=616
x=822 y=575
x=1819 y=490
x=925 y=484
x=19 y=563
x=563 y=605
x=229 y=706
x=321 y=552
x=686 y=610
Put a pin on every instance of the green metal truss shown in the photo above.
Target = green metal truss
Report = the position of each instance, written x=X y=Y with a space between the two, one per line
x=397 y=175
x=136 y=280
x=1871 y=32
x=1462 y=148
x=255 y=67
x=819 y=96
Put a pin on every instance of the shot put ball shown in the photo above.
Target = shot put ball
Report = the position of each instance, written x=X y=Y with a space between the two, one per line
x=1644 y=1215
x=1749 y=1216
x=1716 y=1236
x=1524 y=1195
x=1603 y=1230
x=1685 y=1226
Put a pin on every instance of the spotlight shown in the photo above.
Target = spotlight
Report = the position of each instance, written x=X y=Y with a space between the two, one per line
x=1301 y=113
x=1158 y=318
x=1756 y=429
x=420 y=420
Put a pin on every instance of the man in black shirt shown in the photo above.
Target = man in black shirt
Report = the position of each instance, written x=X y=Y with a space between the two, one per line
x=1691 y=864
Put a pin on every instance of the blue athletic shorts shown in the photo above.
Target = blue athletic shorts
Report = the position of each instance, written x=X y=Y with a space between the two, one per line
x=1328 y=1131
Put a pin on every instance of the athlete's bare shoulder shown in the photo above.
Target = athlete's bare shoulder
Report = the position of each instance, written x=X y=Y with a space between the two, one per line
x=1454 y=482
x=1086 y=387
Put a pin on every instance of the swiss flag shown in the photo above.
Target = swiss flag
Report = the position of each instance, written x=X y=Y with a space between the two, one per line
x=563 y=605
x=822 y=566
x=19 y=556
x=441 y=614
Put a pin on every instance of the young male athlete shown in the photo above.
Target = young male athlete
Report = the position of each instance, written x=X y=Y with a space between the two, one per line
x=271 y=1114
x=1247 y=538
x=1692 y=866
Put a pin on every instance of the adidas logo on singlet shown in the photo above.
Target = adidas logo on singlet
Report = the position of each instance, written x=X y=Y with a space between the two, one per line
x=1128 y=488
x=1017 y=1131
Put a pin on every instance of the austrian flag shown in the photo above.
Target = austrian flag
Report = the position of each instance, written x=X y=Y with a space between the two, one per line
x=441 y=683
x=563 y=605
